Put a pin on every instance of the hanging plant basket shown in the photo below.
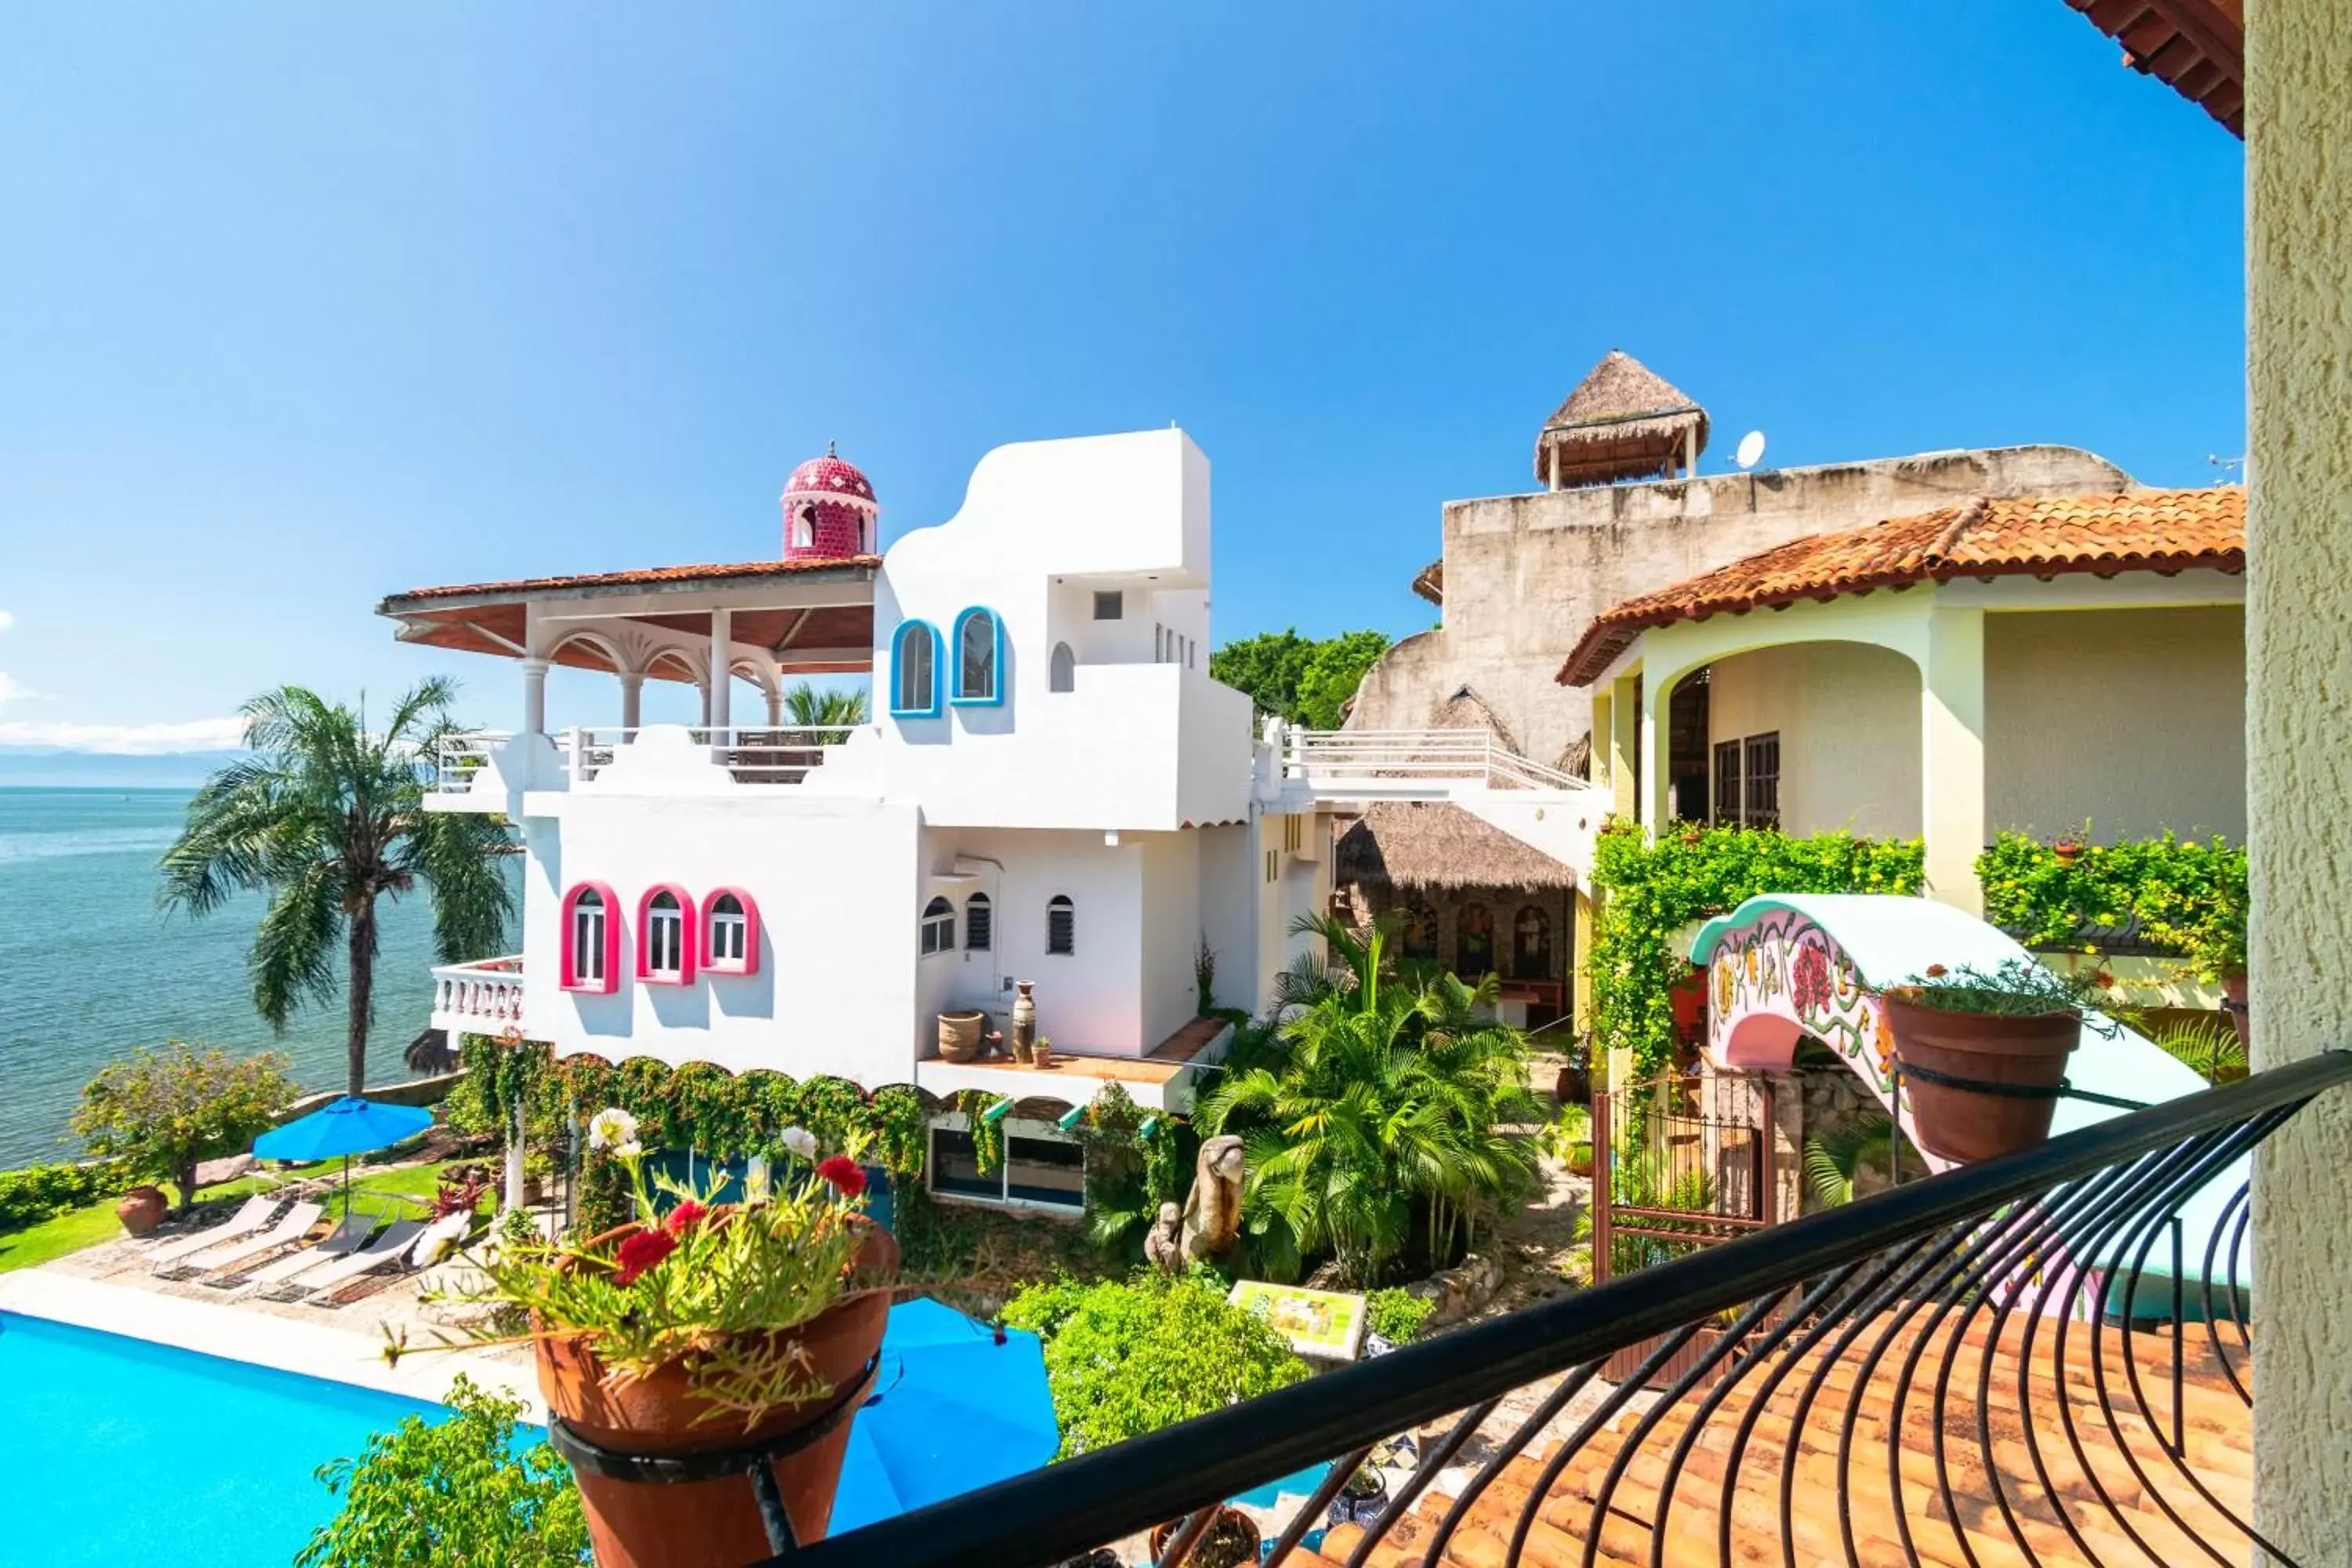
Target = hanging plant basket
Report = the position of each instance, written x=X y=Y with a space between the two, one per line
x=1980 y=1086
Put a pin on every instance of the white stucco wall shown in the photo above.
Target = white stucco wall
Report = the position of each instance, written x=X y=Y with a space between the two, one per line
x=1172 y=932
x=2299 y=750
x=2134 y=718
x=1848 y=717
x=1088 y=1000
x=837 y=890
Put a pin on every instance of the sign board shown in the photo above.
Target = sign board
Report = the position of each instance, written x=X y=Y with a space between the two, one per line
x=1326 y=1324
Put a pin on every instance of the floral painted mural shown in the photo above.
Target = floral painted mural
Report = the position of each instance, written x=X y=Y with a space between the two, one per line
x=1785 y=966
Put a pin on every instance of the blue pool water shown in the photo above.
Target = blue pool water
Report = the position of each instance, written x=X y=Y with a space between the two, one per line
x=117 y=1451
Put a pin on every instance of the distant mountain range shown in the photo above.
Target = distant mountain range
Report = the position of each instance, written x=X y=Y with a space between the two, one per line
x=55 y=768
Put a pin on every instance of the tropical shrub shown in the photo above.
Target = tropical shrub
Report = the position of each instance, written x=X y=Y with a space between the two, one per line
x=1396 y=1315
x=1375 y=1107
x=2188 y=896
x=35 y=1193
x=161 y=1113
x=1128 y=1357
x=458 y=1493
x=1653 y=890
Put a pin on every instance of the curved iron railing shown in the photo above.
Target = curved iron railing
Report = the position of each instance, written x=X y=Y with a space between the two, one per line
x=1959 y=1370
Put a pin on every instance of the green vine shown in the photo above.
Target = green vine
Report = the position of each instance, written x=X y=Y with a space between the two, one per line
x=2183 y=896
x=1652 y=891
x=987 y=1136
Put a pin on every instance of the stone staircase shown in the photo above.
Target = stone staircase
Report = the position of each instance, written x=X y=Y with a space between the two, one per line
x=2113 y=1491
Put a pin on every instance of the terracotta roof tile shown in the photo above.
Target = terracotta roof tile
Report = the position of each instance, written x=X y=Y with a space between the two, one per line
x=645 y=576
x=2139 y=531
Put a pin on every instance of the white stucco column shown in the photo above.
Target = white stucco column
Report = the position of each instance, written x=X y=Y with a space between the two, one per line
x=722 y=644
x=632 y=699
x=1952 y=755
x=534 y=695
x=1655 y=697
x=775 y=706
x=2299 y=751
x=1625 y=743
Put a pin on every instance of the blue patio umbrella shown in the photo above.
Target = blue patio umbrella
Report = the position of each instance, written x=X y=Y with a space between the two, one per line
x=956 y=1406
x=350 y=1126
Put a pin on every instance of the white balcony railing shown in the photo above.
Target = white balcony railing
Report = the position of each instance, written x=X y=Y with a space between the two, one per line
x=759 y=754
x=483 y=998
x=1396 y=759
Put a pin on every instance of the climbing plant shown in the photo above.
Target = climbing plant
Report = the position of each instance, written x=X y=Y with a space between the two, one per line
x=1651 y=891
x=2186 y=896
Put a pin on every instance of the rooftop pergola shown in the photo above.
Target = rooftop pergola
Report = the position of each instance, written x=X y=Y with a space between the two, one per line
x=768 y=621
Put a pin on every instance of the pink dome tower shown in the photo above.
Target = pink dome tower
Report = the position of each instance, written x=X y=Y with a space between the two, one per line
x=830 y=512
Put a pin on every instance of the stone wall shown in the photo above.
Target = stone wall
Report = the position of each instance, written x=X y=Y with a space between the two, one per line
x=1526 y=575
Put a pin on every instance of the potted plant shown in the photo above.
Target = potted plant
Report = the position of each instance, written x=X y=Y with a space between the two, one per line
x=142 y=1209
x=698 y=1328
x=1232 y=1539
x=1364 y=1499
x=1983 y=1053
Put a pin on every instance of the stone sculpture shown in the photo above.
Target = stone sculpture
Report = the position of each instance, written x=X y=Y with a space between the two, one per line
x=1163 y=1245
x=1213 y=1213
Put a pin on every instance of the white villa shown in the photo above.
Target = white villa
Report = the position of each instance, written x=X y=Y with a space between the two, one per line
x=1053 y=790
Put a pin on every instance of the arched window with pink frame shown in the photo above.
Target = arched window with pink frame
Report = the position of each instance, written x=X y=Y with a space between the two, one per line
x=730 y=933
x=666 y=937
x=592 y=939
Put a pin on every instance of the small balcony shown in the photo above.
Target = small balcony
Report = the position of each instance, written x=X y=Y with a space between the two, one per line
x=489 y=770
x=1165 y=1080
x=481 y=998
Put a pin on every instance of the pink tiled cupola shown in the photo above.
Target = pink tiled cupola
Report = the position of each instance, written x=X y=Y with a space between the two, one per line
x=830 y=512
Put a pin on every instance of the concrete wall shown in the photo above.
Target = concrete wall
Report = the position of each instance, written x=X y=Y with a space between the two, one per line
x=1172 y=934
x=1090 y=999
x=1848 y=718
x=2299 y=748
x=2134 y=718
x=1526 y=575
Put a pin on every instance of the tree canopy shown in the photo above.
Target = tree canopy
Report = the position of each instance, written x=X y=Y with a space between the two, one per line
x=161 y=1113
x=326 y=817
x=1301 y=680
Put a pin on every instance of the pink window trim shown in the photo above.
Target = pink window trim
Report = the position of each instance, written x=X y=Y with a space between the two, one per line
x=750 y=965
x=569 y=969
x=686 y=937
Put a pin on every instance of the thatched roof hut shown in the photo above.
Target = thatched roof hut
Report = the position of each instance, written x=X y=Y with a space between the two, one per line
x=1623 y=421
x=1436 y=844
x=1430 y=583
x=1465 y=710
x=1576 y=758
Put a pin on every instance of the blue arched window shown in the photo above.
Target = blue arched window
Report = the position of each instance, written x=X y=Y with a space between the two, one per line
x=915 y=671
x=979 y=658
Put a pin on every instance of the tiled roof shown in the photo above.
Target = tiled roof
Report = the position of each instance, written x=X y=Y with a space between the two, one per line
x=2196 y=45
x=2139 y=531
x=2016 y=1496
x=645 y=576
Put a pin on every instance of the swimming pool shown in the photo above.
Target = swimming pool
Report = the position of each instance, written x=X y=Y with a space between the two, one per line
x=131 y=1452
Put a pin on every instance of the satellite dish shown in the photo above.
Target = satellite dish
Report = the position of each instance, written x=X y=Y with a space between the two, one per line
x=1751 y=449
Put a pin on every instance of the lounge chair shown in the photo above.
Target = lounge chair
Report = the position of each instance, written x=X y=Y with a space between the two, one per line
x=395 y=1239
x=346 y=1237
x=244 y=1222
x=290 y=1227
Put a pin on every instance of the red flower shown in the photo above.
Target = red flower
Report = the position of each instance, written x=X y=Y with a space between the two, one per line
x=843 y=1173
x=1934 y=972
x=685 y=1216
x=640 y=1250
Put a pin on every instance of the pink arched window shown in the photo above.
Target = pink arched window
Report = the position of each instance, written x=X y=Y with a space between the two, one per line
x=730 y=933
x=665 y=938
x=592 y=939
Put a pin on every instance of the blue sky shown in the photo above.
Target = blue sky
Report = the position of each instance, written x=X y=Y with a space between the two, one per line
x=300 y=306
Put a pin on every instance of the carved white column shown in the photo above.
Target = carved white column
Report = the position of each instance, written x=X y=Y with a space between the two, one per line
x=722 y=644
x=534 y=695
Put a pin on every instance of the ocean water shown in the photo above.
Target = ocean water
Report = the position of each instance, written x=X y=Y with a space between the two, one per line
x=89 y=967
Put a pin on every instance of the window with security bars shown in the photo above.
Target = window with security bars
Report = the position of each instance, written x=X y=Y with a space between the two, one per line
x=1726 y=782
x=1748 y=781
x=1763 y=784
x=1061 y=925
x=979 y=923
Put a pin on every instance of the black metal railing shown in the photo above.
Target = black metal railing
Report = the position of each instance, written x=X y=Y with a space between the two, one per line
x=2039 y=1359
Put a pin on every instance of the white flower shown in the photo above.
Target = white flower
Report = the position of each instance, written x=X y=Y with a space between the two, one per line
x=801 y=1141
x=615 y=1130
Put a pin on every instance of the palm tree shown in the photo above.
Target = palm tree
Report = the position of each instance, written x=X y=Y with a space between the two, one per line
x=327 y=818
x=806 y=708
x=1379 y=1098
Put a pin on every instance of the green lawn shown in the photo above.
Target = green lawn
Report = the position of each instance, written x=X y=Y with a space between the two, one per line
x=371 y=1193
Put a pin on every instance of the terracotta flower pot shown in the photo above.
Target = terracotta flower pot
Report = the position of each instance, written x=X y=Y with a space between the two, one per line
x=713 y=1524
x=1968 y=1124
x=1688 y=999
x=1233 y=1534
x=141 y=1210
x=1574 y=1085
x=1580 y=1158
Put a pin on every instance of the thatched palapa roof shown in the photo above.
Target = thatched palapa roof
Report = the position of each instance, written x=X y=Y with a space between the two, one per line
x=1430 y=583
x=1436 y=844
x=1623 y=421
x=1465 y=710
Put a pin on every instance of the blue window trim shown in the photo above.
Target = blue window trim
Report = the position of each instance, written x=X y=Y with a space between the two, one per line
x=993 y=698
x=897 y=653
